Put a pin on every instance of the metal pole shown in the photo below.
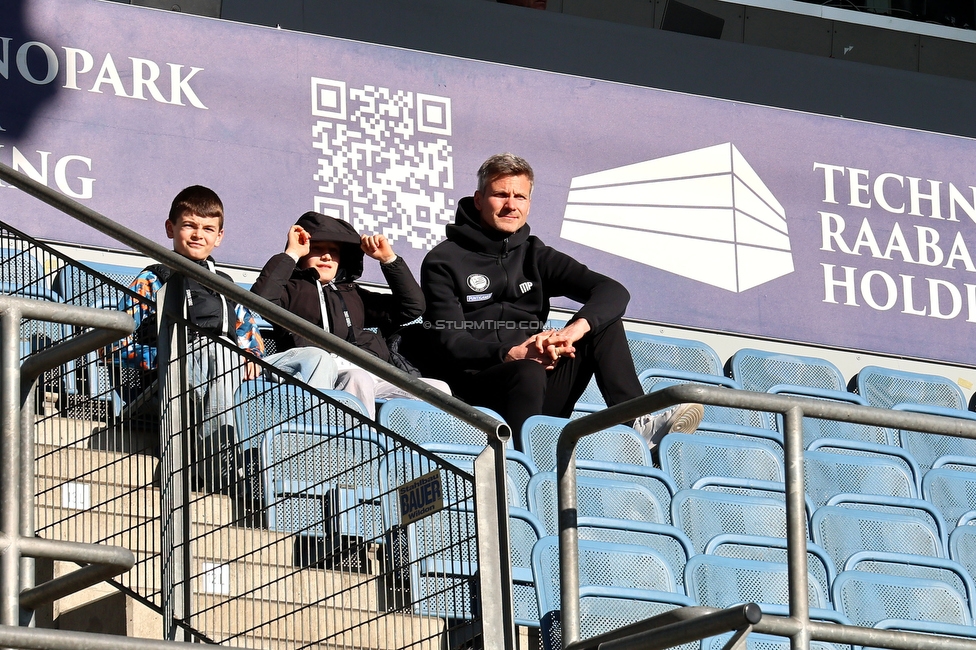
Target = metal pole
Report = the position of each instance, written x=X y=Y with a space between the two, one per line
x=491 y=508
x=796 y=527
x=569 y=589
x=10 y=464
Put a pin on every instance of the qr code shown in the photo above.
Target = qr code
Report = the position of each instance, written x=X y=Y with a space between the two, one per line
x=384 y=160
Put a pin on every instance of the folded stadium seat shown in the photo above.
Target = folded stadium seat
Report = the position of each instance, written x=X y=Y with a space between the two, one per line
x=828 y=474
x=759 y=371
x=871 y=598
x=421 y=422
x=689 y=457
x=750 y=487
x=815 y=429
x=619 y=444
x=525 y=530
x=703 y=514
x=772 y=549
x=261 y=405
x=844 y=531
x=887 y=453
x=619 y=584
x=915 y=566
x=323 y=481
x=717 y=581
x=661 y=354
x=519 y=468
x=672 y=544
x=716 y=418
x=598 y=497
x=952 y=492
x=884 y=388
x=927 y=448
x=962 y=544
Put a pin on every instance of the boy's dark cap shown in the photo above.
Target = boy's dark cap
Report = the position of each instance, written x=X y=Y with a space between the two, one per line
x=324 y=228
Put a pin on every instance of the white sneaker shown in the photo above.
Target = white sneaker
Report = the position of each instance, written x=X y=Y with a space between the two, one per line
x=683 y=418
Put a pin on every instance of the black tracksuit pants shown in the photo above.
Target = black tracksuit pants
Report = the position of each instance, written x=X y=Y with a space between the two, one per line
x=520 y=389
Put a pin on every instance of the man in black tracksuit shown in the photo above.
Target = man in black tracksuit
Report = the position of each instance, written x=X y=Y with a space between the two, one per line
x=488 y=289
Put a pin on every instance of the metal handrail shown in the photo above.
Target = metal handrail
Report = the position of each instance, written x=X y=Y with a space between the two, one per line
x=798 y=625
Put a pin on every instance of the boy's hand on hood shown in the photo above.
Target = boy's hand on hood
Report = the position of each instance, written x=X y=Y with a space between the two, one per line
x=377 y=247
x=299 y=242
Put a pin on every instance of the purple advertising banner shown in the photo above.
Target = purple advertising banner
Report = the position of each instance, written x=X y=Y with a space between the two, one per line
x=714 y=214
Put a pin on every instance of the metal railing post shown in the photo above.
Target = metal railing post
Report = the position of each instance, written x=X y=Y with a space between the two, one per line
x=494 y=550
x=796 y=527
x=9 y=465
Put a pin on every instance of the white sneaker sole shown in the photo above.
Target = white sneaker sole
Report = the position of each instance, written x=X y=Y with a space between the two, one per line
x=686 y=418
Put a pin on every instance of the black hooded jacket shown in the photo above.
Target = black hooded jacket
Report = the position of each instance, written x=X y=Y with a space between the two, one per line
x=295 y=289
x=488 y=291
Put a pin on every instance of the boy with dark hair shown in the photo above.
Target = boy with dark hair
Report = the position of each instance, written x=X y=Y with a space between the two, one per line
x=196 y=226
x=315 y=279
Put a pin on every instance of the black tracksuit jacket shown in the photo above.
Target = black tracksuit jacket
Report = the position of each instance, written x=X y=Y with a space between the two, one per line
x=488 y=291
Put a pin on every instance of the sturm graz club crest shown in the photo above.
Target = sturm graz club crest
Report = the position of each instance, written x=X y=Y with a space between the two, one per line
x=478 y=282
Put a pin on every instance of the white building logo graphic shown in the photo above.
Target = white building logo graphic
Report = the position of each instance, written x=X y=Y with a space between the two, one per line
x=704 y=215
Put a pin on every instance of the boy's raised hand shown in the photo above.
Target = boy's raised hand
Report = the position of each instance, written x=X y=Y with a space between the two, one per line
x=298 y=242
x=377 y=247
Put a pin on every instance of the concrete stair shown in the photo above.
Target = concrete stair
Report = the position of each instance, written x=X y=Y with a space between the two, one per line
x=244 y=587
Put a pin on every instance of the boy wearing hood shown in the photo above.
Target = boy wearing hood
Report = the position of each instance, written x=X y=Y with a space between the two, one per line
x=488 y=288
x=315 y=278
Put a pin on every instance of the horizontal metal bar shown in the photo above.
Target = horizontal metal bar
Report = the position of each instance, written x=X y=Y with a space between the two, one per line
x=58 y=312
x=65 y=351
x=32 y=638
x=673 y=634
x=864 y=636
x=744 y=399
x=271 y=312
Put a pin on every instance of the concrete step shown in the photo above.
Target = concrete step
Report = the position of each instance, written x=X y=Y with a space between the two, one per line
x=95 y=466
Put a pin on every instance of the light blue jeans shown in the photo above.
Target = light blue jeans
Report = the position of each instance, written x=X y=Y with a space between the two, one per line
x=314 y=366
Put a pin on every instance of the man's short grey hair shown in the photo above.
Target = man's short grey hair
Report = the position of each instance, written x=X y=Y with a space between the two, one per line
x=504 y=164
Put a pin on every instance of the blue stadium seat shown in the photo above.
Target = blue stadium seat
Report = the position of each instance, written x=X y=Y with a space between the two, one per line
x=815 y=429
x=702 y=515
x=716 y=418
x=870 y=598
x=662 y=354
x=917 y=508
x=884 y=388
x=927 y=448
x=828 y=474
x=261 y=405
x=519 y=468
x=619 y=584
x=887 y=453
x=772 y=549
x=759 y=371
x=598 y=497
x=323 y=482
x=659 y=483
x=915 y=566
x=748 y=487
x=619 y=444
x=81 y=285
x=672 y=544
x=22 y=269
x=525 y=530
x=717 y=581
x=844 y=531
x=442 y=551
x=951 y=491
x=962 y=546
x=421 y=422
x=688 y=457
x=756 y=641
